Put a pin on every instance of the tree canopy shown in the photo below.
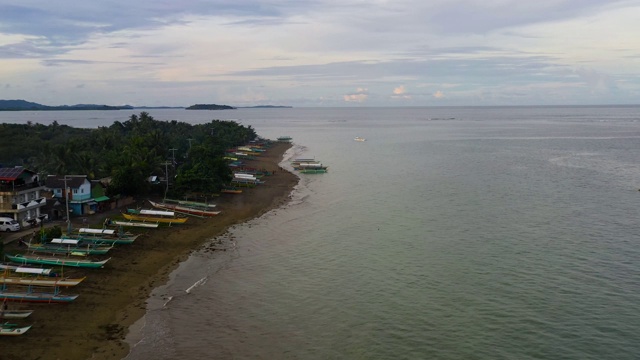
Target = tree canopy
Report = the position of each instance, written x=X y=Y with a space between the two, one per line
x=129 y=152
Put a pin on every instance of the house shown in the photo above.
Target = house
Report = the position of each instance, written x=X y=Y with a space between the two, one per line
x=98 y=192
x=21 y=195
x=75 y=191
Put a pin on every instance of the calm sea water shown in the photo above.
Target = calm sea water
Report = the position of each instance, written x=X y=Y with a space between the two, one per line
x=451 y=233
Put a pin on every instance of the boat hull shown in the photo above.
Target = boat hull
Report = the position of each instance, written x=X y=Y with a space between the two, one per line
x=183 y=209
x=16 y=314
x=14 y=280
x=101 y=240
x=103 y=250
x=155 y=219
x=33 y=297
x=21 y=259
x=135 y=224
x=13 y=331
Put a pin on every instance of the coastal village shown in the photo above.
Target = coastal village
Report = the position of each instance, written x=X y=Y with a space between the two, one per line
x=111 y=247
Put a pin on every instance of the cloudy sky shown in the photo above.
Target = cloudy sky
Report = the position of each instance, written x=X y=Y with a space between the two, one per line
x=320 y=53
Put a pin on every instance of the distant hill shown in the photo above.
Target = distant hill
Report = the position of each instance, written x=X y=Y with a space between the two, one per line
x=210 y=107
x=266 y=107
x=158 y=107
x=23 y=105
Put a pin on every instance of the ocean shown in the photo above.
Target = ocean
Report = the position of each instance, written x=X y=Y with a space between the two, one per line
x=450 y=233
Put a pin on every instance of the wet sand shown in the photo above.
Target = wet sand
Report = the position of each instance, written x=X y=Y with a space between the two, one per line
x=114 y=297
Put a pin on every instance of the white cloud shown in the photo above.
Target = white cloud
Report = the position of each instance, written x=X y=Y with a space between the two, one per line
x=361 y=95
x=308 y=53
x=400 y=92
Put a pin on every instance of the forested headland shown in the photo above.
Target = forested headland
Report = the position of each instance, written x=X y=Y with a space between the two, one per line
x=129 y=152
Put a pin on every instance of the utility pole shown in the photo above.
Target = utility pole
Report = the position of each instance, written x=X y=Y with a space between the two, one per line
x=173 y=156
x=66 y=197
x=189 y=140
x=166 y=177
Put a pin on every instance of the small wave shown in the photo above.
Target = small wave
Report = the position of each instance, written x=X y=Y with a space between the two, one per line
x=196 y=284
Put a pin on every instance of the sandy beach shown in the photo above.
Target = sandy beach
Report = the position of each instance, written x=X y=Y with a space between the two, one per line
x=114 y=297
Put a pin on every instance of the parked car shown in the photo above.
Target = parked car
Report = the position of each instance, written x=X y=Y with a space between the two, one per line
x=8 y=224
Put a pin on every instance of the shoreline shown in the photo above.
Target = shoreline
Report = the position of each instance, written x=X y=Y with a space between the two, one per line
x=112 y=299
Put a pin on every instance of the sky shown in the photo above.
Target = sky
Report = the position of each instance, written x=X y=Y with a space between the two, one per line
x=321 y=53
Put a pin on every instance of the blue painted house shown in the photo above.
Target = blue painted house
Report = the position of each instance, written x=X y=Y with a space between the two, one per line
x=76 y=189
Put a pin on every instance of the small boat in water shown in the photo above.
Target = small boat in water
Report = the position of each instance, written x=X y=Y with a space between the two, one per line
x=358 y=138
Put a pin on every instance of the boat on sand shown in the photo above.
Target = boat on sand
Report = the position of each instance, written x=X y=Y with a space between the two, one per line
x=189 y=210
x=15 y=314
x=155 y=216
x=55 y=261
x=7 y=329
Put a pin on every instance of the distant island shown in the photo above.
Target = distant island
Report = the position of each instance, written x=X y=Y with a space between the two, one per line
x=265 y=107
x=23 y=105
x=210 y=107
x=158 y=107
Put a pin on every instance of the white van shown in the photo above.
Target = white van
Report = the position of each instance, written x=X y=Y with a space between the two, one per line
x=8 y=224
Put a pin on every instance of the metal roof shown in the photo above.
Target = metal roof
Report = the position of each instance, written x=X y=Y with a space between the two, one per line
x=10 y=174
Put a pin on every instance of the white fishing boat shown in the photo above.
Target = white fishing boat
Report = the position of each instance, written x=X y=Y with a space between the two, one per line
x=12 y=330
x=358 y=138
x=134 y=224
x=15 y=314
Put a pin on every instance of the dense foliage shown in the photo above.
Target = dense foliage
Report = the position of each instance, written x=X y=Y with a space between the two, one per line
x=129 y=152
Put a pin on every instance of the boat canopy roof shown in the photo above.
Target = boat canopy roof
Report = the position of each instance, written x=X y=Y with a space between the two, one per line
x=244 y=176
x=96 y=231
x=28 y=270
x=65 y=241
x=156 y=212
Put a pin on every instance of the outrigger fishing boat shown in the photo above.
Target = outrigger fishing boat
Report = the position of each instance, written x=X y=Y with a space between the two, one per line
x=7 y=329
x=15 y=314
x=70 y=247
x=35 y=296
x=156 y=216
x=55 y=261
x=192 y=203
x=230 y=190
x=185 y=209
x=134 y=224
x=36 y=277
x=102 y=236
